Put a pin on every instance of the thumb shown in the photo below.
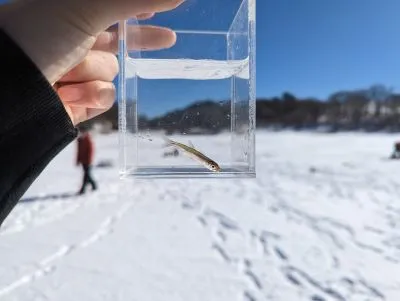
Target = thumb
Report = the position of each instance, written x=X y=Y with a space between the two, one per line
x=94 y=16
x=108 y=12
x=57 y=35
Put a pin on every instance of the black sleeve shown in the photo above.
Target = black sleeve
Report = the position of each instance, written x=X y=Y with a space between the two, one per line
x=34 y=126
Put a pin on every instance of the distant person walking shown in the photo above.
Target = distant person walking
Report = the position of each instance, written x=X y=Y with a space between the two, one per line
x=85 y=158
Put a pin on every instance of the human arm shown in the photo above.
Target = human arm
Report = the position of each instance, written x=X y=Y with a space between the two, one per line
x=34 y=126
x=48 y=59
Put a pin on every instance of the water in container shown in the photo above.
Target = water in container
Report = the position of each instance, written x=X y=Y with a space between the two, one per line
x=189 y=110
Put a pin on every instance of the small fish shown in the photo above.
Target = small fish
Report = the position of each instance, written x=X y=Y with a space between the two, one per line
x=194 y=154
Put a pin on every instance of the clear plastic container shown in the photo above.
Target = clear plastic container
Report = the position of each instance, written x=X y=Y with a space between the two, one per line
x=199 y=92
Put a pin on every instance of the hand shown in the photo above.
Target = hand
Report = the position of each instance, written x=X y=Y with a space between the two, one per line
x=87 y=90
x=68 y=42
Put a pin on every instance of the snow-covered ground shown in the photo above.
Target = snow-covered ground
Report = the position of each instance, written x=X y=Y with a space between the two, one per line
x=320 y=222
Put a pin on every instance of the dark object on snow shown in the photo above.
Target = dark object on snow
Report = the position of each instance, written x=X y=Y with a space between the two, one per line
x=173 y=153
x=313 y=169
x=87 y=179
x=396 y=151
x=49 y=197
x=104 y=164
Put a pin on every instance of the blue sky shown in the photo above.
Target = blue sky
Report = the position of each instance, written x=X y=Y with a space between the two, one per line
x=310 y=48
x=313 y=47
x=306 y=47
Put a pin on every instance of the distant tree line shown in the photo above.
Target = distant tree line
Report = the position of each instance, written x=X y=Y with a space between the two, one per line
x=375 y=108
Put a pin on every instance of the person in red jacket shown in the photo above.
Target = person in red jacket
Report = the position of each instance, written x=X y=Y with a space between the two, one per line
x=85 y=158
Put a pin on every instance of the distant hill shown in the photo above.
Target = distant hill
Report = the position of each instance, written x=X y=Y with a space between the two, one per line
x=373 y=109
x=206 y=115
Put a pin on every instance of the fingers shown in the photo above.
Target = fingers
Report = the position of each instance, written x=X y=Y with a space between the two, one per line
x=94 y=94
x=107 y=12
x=153 y=6
x=91 y=113
x=149 y=37
x=125 y=9
x=144 y=37
x=87 y=90
x=83 y=114
x=87 y=100
x=97 y=65
x=144 y=16
x=70 y=29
